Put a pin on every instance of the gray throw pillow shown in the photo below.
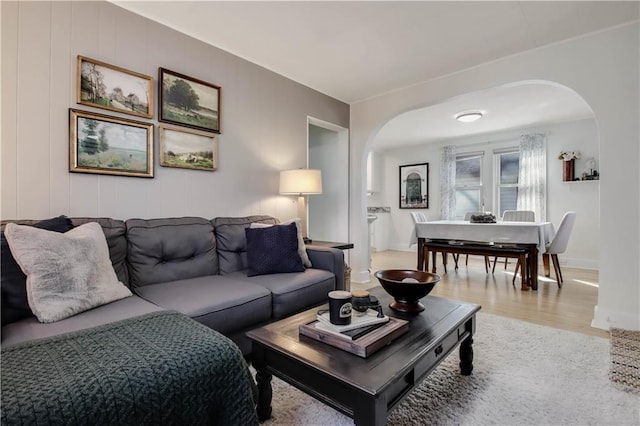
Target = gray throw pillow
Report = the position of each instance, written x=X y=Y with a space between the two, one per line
x=14 y=283
x=66 y=273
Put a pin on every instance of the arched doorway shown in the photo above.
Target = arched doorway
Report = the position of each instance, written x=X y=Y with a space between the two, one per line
x=565 y=118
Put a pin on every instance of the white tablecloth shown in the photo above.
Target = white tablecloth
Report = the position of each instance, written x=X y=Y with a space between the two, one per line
x=539 y=233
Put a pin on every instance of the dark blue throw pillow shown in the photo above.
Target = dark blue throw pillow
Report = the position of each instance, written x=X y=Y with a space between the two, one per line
x=273 y=250
x=13 y=282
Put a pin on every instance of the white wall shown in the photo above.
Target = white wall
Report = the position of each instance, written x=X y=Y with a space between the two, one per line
x=603 y=69
x=329 y=211
x=583 y=197
x=264 y=118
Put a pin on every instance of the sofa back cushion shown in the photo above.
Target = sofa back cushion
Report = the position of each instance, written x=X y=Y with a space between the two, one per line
x=232 y=241
x=162 y=250
x=115 y=232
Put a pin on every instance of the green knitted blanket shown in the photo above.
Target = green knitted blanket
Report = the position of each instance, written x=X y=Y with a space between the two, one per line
x=161 y=368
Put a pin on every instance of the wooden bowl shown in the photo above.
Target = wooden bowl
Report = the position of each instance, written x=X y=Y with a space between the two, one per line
x=407 y=287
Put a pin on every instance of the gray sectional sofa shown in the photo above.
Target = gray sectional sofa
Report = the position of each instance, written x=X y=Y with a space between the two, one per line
x=142 y=360
x=195 y=266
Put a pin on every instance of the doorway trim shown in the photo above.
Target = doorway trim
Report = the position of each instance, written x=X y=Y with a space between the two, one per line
x=343 y=140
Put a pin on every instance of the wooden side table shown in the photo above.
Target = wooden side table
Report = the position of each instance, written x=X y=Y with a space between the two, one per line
x=339 y=246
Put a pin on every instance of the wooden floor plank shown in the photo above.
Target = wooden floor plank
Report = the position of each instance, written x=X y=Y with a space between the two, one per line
x=568 y=308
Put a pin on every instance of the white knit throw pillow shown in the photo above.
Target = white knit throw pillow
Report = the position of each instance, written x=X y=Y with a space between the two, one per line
x=66 y=273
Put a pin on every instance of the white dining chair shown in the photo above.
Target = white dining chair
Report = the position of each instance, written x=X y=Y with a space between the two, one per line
x=558 y=244
x=419 y=217
x=519 y=216
x=515 y=216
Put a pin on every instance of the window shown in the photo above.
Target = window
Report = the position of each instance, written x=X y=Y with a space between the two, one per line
x=506 y=180
x=468 y=184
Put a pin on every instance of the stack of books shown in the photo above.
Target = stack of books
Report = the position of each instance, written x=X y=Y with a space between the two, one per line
x=365 y=335
x=361 y=324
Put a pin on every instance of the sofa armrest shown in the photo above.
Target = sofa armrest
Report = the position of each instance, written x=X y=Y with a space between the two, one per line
x=328 y=259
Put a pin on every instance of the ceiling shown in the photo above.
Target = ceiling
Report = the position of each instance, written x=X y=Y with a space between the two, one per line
x=353 y=51
x=515 y=106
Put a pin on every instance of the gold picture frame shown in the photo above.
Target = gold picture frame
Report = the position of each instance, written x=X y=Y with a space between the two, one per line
x=106 y=86
x=188 y=149
x=102 y=144
x=187 y=101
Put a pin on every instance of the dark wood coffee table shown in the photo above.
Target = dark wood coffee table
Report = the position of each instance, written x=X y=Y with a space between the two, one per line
x=363 y=389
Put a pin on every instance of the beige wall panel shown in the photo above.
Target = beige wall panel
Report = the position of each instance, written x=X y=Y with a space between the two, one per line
x=108 y=28
x=107 y=51
x=8 y=153
x=34 y=31
x=134 y=200
x=84 y=189
x=63 y=70
x=120 y=43
x=263 y=120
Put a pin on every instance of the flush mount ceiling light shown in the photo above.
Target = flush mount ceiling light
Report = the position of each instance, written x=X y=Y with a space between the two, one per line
x=468 y=117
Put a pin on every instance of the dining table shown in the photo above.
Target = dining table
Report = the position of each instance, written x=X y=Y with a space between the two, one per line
x=533 y=235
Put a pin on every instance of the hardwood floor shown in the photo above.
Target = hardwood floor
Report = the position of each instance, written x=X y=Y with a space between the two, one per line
x=568 y=308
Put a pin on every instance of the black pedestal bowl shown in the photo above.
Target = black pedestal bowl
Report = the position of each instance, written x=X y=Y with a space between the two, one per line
x=407 y=287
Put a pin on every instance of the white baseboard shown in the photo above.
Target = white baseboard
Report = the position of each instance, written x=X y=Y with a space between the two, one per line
x=360 y=276
x=606 y=319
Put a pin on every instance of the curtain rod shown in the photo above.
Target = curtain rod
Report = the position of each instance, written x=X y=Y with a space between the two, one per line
x=515 y=139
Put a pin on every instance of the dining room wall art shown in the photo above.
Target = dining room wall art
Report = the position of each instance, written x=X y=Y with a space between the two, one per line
x=102 y=144
x=110 y=87
x=414 y=186
x=188 y=101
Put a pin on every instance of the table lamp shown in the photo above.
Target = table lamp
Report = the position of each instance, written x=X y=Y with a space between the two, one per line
x=301 y=182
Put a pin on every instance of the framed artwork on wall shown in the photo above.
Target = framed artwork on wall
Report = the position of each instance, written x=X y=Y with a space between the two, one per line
x=414 y=186
x=187 y=149
x=189 y=102
x=101 y=85
x=109 y=145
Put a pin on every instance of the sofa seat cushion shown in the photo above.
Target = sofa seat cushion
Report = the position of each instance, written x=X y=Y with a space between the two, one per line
x=30 y=328
x=215 y=301
x=293 y=292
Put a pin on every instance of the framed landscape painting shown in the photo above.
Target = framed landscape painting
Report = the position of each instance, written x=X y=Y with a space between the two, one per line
x=109 y=145
x=110 y=87
x=189 y=102
x=414 y=186
x=188 y=149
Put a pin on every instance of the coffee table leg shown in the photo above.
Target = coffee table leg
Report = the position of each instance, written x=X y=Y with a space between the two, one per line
x=263 y=381
x=466 y=356
x=369 y=412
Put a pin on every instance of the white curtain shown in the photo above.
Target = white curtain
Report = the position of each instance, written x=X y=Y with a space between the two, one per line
x=532 y=180
x=448 y=182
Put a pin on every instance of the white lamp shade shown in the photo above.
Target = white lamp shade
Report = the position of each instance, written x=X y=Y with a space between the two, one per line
x=300 y=181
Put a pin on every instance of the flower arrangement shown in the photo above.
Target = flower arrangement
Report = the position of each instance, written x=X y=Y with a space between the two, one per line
x=569 y=155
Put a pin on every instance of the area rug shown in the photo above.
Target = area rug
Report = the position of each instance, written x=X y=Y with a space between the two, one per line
x=625 y=357
x=524 y=374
